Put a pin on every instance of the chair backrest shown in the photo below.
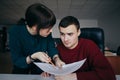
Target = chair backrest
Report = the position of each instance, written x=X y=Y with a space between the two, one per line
x=94 y=34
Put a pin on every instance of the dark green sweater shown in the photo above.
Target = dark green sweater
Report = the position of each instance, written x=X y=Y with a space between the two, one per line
x=22 y=44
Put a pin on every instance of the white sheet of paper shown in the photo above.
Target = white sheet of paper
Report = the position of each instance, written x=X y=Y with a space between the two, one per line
x=66 y=69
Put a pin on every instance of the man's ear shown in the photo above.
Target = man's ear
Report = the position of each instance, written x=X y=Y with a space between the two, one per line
x=79 y=32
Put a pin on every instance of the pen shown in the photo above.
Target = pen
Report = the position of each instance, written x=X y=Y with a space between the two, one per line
x=52 y=63
x=50 y=60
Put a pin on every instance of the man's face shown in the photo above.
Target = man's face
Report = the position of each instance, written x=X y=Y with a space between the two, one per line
x=69 y=36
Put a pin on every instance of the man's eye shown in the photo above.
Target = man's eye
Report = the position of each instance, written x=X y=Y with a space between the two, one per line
x=61 y=34
x=70 y=34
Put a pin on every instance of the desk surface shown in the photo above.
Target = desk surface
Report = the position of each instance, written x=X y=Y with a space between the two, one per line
x=23 y=77
x=115 y=63
x=29 y=77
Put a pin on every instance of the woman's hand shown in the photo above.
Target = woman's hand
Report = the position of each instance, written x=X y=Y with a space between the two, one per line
x=42 y=56
x=58 y=61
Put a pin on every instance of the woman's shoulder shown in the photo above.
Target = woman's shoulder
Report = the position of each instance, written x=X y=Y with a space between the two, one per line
x=15 y=28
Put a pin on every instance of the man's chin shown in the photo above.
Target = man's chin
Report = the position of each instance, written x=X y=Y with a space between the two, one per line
x=67 y=46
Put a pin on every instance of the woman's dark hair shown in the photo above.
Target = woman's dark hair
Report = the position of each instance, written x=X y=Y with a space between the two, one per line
x=69 y=20
x=40 y=15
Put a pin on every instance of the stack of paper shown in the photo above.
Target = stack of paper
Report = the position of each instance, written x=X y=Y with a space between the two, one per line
x=66 y=69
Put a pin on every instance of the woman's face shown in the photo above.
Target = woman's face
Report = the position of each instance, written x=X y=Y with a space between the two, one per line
x=45 y=32
x=32 y=30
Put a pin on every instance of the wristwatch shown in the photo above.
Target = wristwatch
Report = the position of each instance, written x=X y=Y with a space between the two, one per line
x=31 y=59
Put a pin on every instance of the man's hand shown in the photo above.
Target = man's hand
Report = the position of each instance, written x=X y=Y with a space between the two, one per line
x=45 y=74
x=71 y=76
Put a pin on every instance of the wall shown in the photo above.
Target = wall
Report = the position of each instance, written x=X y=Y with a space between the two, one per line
x=83 y=23
x=111 y=26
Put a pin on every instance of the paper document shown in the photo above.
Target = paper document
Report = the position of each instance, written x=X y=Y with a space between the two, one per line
x=66 y=69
